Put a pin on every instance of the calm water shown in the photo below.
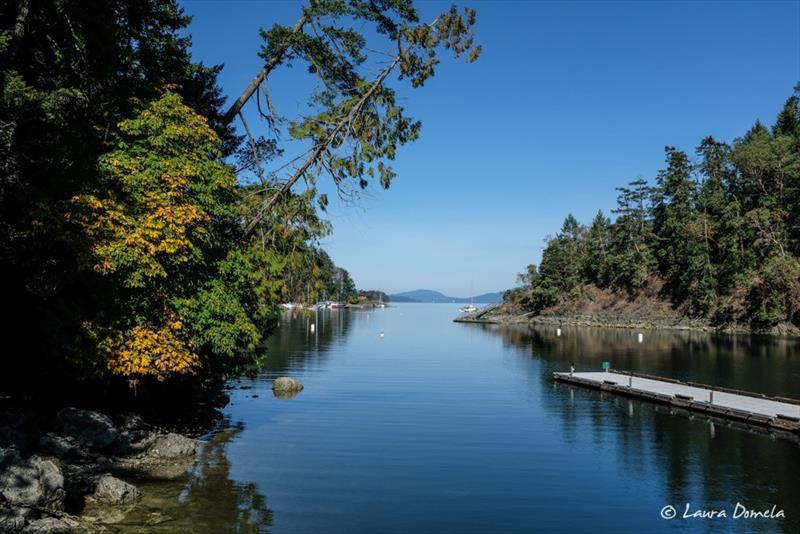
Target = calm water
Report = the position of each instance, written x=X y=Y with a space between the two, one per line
x=459 y=428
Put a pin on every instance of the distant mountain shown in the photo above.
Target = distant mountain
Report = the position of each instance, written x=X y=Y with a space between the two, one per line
x=431 y=296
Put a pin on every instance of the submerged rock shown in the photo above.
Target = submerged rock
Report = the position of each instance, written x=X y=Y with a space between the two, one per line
x=111 y=490
x=286 y=388
x=171 y=446
x=158 y=457
x=92 y=429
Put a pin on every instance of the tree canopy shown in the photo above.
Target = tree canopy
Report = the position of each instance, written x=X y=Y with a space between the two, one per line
x=139 y=235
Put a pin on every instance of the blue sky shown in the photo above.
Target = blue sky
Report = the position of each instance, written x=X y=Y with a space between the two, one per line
x=568 y=101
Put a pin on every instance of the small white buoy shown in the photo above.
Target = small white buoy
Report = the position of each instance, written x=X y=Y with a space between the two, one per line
x=380 y=335
x=641 y=337
x=558 y=331
x=312 y=327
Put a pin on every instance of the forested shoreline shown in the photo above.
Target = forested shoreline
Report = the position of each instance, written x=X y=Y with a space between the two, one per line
x=144 y=239
x=716 y=237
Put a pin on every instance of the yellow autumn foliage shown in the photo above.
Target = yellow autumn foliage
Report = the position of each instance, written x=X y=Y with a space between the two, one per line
x=149 y=233
x=155 y=351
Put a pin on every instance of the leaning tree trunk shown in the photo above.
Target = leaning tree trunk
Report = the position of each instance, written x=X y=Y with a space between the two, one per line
x=271 y=63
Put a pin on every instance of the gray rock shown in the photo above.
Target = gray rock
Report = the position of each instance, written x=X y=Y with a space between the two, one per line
x=58 y=446
x=286 y=386
x=111 y=490
x=135 y=437
x=171 y=446
x=93 y=429
x=33 y=482
x=133 y=421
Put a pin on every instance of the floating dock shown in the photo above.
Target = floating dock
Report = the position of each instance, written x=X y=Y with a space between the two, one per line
x=775 y=412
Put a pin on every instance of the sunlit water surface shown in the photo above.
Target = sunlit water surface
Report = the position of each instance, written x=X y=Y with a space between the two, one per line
x=448 y=427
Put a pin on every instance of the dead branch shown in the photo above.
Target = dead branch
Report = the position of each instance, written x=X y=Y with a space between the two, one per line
x=254 y=148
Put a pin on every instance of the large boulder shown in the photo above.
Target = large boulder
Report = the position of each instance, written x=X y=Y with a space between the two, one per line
x=111 y=490
x=285 y=387
x=34 y=482
x=92 y=429
x=171 y=446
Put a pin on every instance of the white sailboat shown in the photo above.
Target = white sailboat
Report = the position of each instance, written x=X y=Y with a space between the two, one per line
x=469 y=309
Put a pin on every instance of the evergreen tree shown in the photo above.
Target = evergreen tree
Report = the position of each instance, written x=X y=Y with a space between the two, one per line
x=630 y=258
x=598 y=242
x=720 y=214
x=787 y=136
x=682 y=232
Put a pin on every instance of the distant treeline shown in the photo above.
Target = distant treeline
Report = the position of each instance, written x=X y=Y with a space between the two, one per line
x=374 y=295
x=316 y=277
x=718 y=235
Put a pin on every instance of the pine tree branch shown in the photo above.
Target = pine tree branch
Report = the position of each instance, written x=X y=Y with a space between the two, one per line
x=322 y=146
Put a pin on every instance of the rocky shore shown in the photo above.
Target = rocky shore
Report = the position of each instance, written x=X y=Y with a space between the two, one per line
x=77 y=470
x=505 y=315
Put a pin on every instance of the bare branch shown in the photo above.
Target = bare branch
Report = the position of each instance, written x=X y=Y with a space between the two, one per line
x=262 y=75
x=256 y=159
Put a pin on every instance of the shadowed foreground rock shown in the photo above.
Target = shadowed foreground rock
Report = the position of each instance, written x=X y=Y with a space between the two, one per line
x=286 y=388
x=92 y=429
x=67 y=479
x=27 y=485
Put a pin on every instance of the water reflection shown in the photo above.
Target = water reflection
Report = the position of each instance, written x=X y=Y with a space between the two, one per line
x=460 y=428
x=769 y=365
x=206 y=501
x=305 y=337
x=710 y=463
